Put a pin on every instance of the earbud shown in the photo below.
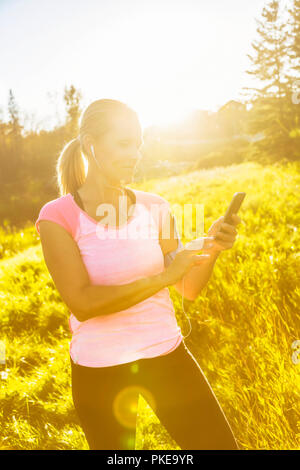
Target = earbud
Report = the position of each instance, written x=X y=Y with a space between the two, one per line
x=93 y=153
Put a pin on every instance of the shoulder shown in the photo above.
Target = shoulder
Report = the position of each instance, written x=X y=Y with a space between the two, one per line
x=56 y=204
x=59 y=210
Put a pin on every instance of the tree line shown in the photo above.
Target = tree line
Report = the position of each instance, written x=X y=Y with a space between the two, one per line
x=264 y=127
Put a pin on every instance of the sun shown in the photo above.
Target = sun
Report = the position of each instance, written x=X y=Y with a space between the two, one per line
x=164 y=116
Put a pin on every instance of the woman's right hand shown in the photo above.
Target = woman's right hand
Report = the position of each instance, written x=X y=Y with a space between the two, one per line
x=182 y=263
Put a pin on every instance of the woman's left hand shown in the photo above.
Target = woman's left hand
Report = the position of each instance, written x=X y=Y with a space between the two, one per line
x=224 y=234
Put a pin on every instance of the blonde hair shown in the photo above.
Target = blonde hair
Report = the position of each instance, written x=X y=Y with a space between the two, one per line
x=95 y=120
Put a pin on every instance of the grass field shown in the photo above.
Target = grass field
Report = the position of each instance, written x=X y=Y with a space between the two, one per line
x=243 y=323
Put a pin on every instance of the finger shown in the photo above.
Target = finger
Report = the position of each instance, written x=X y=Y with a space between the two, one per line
x=225 y=236
x=218 y=221
x=223 y=245
x=200 y=244
x=201 y=258
x=236 y=219
x=206 y=246
x=228 y=228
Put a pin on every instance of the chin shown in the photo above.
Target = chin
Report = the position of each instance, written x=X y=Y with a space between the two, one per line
x=126 y=179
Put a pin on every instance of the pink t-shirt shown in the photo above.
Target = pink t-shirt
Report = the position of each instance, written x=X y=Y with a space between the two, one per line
x=120 y=255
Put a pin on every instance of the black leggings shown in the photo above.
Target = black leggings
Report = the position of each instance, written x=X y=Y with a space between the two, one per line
x=174 y=386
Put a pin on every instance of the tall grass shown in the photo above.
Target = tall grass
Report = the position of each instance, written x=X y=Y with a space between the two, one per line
x=243 y=322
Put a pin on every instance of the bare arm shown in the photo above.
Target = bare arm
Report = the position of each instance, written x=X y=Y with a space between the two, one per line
x=71 y=278
x=102 y=300
x=198 y=276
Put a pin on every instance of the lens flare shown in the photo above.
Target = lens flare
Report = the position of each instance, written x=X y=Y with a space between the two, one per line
x=127 y=441
x=125 y=405
x=134 y=368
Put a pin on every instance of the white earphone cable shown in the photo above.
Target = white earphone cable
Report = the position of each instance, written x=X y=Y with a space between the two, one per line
x=123 y=191
x=182 y=295
x=182 y=303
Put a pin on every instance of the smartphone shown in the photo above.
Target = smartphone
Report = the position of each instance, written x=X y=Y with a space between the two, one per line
x=234 y=206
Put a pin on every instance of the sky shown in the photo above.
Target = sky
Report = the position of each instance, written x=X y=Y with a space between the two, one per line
x=163 y=58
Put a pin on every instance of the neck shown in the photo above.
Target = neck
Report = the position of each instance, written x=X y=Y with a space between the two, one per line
x=97 y=188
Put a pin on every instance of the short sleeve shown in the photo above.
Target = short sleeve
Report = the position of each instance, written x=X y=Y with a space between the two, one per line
x=55 y=211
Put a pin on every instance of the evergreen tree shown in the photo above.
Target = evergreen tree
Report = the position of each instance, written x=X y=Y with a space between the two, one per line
x=13 y=113
x=270 y=114
x=72 y=99
x=293 y=75
x=14 y=154
x=294 y=36
x=270 y=50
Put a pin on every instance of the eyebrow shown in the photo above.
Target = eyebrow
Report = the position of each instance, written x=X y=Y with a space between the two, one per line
x=140 y=141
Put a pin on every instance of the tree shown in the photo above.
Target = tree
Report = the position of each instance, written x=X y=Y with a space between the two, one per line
x=72 y=99
x=13 y=113
x=270 y=49
x=293 y=74
x=294 y=36
x=14 y=155
x=270 y=114
x=230 y=118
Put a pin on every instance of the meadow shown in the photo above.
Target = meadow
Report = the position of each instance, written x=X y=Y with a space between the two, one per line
x=243 y=323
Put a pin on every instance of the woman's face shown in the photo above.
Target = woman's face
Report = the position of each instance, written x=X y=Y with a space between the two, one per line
x=117 y=151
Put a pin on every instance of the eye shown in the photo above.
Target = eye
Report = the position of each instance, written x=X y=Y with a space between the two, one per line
x=124 y=143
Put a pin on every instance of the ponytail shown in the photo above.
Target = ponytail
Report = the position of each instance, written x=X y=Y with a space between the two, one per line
x=95 y=120
x=70 y=169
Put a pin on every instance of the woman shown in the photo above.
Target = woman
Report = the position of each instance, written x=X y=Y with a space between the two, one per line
x=113 y=274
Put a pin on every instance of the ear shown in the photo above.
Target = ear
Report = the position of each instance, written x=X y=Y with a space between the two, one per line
x=87 y=142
